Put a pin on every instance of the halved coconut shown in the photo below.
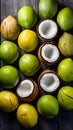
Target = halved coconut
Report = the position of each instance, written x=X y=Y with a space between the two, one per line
x=48 y=53
x=49 y=81
x=27 y=90
x=47 y=29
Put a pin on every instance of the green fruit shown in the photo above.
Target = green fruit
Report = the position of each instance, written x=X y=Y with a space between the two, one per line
x=8 y=101
x=27 y=17
x=9 y=76
x=65 y=44
x=27 y=115
x=9 y=52
x=48 y=106
x=65 y=18
x=65 y=69
x=48 y=8
x=65 y=97
x=29 y=64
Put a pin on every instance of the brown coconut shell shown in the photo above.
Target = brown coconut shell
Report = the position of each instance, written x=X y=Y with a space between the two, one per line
x=39 y=78
x=10 y=28
x=42 y=38
x=31 y=97
x=42 y=59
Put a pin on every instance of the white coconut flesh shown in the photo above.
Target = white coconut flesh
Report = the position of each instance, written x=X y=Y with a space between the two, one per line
x=50 y=53
x=49 y=82
x=25 y=88
x=47 y=29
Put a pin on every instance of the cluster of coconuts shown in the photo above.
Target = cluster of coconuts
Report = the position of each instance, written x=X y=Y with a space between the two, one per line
x=48 y=54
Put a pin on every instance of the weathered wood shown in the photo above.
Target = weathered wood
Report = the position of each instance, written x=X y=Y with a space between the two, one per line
x=65 y=120
x=65 y=3
x=8 y=121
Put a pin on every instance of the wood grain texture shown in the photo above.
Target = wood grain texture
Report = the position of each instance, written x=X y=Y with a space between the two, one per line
x=8 y=121
x=66 y=120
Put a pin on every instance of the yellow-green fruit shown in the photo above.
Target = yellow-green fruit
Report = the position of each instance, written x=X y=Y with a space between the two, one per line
x=8 y=101
x=10 y=28
x=65 y=70
x=65 y=44
x=9 y=52
x=27 y=115
x=9 y=76
x=29 y=64
x=65 y=18
x=48 y=8
x=48 y=106
x=65 y=97
x=27 y=17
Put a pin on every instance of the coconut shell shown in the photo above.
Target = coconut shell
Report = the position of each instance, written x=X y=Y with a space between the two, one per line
x=34 y=94
x=42 y=59
x=10 y=28
x=42 y=38
x=39 y=78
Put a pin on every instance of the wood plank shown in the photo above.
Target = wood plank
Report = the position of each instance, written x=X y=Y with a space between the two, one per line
x=47 y=124
x=65 y=3
x=65 y=120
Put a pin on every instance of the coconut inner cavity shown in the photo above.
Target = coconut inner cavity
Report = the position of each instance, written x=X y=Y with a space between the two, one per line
x=25 y=88
x=50 y=53
x=47 y=29
x=49 y=82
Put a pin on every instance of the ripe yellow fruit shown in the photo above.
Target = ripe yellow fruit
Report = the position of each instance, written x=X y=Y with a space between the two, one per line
x=27 y=115
x=8 y=101
x=28 y=40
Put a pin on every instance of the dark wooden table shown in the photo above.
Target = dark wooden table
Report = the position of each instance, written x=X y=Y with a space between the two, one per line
x=8 y=121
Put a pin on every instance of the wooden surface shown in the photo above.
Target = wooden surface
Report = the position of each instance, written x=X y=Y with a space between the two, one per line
x=8 y=121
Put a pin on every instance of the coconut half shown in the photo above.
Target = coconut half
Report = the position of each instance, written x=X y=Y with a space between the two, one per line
x=48 y=53
x=47 y=29
x=49 y=81
x=27 y=90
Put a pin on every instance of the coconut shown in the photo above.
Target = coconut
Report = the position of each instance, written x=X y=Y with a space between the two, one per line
x=48 y=81
x=27 y=90
x=10 y=28
x=47 y=30
x=48 y=53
